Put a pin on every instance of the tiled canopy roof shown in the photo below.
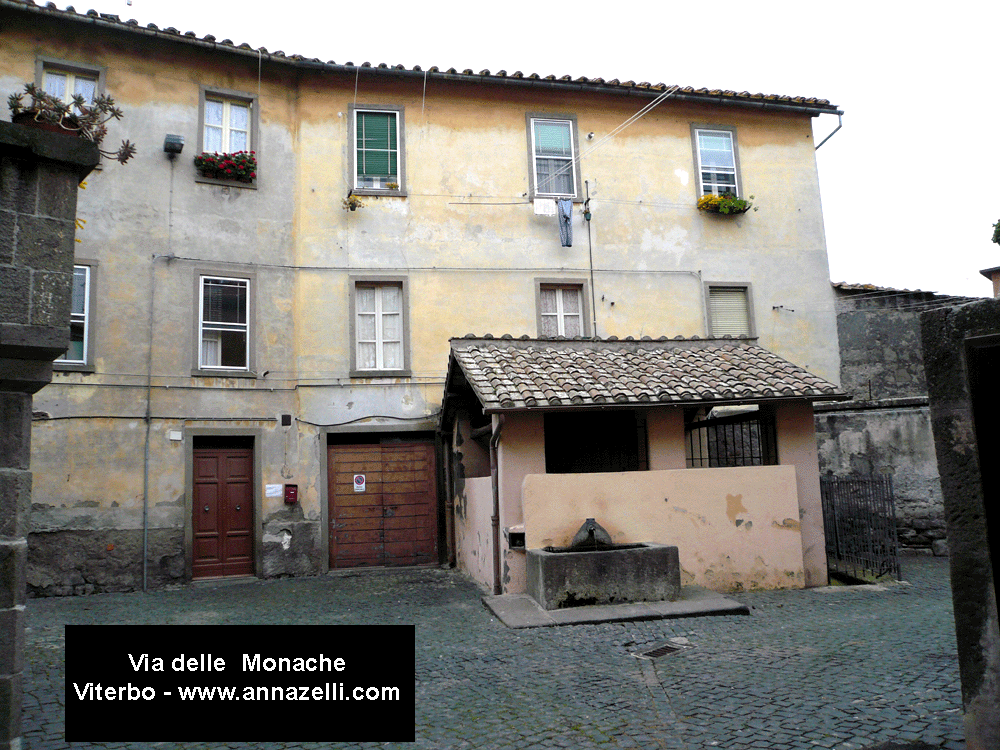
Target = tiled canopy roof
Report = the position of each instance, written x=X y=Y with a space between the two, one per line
x=509 y=374
x=809 y=105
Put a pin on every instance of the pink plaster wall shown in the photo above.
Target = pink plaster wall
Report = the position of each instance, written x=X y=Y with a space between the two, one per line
x=797 y=447
x=735 y=528
x=473 y=544
x=521 y=452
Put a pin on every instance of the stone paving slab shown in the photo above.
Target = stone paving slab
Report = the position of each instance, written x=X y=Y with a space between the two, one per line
x=521 y=611
x=842 y=668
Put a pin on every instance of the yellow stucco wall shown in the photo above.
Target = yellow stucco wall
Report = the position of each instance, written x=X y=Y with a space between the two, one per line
x=735 y=528
x=465 y=239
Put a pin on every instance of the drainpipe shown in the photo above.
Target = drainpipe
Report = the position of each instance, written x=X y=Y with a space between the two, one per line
x=447 y=439
x=840 y=124
x=590 y=250
x=495 y=519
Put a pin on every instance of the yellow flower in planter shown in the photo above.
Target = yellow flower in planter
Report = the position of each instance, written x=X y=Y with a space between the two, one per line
x=725 y=204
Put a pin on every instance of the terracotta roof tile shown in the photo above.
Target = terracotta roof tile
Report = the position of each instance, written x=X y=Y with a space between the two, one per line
x=547 y=373
x=722 y=96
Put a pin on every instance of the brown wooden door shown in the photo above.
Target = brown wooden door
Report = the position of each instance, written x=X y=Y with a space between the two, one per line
x=394 y=521
x=223 y=512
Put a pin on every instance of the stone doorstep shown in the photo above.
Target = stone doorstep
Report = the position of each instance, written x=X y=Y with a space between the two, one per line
x=521 y=611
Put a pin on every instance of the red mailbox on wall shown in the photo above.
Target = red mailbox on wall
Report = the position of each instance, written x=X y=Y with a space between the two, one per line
x=291 y=494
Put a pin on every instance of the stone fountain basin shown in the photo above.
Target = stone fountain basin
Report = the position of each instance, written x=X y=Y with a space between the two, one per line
x=615 y=574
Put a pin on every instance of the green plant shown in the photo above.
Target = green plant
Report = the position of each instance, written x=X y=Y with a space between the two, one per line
x=76 y=117
x=240 y=166
x=352 y=202
x=725 y=204
x=996 y=233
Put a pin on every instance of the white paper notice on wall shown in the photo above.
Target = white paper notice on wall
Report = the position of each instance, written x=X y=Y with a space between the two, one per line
x=359 y=482
x=272 y=490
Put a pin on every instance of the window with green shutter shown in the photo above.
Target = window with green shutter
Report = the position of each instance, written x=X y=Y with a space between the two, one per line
x=377 y=150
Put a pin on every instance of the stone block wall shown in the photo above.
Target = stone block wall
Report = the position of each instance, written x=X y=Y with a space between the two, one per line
x=39 y=174
x=889 y=437
x=962 y=355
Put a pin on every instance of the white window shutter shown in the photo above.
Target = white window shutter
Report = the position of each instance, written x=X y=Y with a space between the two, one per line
x=729 y=310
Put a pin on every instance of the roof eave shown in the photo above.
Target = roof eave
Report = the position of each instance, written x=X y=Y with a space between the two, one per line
x=662 y=404
x=113 y=23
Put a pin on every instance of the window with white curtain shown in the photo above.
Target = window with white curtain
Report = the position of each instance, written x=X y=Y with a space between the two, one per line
x=729 y=310
x=65 y=84
x=560 y=310
x=227 y=126
x=224 y=327
x=379 y=326
x=715 y=150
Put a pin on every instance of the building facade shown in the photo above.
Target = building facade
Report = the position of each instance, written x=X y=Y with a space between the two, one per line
x=249 y=345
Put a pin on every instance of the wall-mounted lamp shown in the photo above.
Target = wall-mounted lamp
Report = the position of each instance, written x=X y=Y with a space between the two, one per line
x=173 y=145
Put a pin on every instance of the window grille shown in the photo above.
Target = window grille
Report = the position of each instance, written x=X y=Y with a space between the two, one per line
x=747 y=439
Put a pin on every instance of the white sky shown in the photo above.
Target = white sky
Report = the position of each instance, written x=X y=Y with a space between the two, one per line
x=917 y=84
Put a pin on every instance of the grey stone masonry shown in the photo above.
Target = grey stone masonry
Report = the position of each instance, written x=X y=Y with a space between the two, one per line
x=961 y=356
x=39 y=175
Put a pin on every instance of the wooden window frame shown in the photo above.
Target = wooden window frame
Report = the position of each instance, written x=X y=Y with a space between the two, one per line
x=74 y=69
x=380 y=281
x=227 y=96
x=580 y=286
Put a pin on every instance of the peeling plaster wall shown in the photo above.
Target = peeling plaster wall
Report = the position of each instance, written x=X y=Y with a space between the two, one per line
x=473 y=545
x=735 y=529
x=898 y=442
x=300 y=249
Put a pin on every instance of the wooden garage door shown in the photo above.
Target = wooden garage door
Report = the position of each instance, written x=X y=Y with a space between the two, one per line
x=223 y=512
x=393 y=522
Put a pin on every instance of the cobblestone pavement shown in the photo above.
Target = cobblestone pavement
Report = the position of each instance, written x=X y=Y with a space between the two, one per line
x=842 y=668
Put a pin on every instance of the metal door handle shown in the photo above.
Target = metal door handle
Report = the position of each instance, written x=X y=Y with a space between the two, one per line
x=237 y=507
x=206 y=509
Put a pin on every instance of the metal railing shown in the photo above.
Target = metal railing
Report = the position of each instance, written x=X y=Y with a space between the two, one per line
x=742 y=440
x=859 y=517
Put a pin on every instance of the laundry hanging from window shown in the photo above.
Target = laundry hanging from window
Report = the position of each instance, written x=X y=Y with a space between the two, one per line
x=565 y=214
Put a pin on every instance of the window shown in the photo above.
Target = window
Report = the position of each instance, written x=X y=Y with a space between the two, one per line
x=379 y=322
x=730 y=436
x=377 y=152
x=228 y=124
x=555 y=170
x=717 y=160
x=224 y=327
x=730 y=310
x=78 y=356
x=595 y=441
x=560 y=309
x=65 y=79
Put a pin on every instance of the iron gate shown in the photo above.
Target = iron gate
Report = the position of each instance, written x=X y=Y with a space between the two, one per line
x=859 y=517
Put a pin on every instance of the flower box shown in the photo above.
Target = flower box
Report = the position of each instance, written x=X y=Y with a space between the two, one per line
x=725 y=204
x=240 y=166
